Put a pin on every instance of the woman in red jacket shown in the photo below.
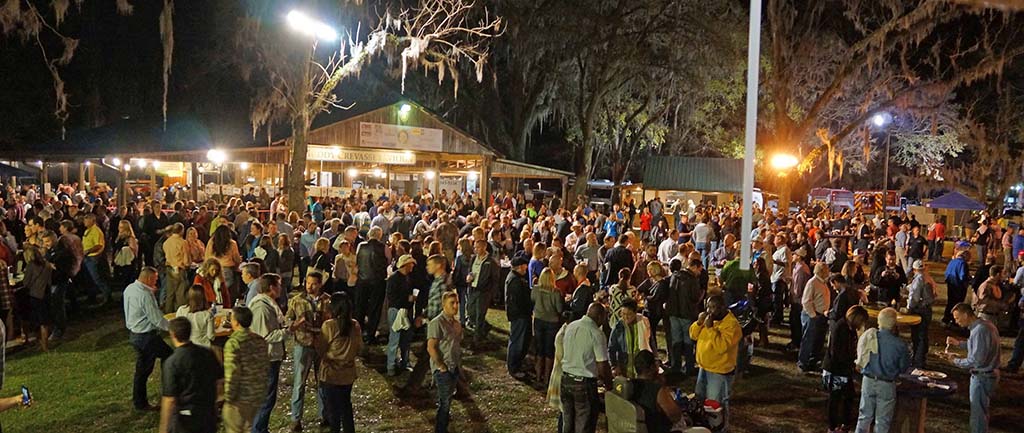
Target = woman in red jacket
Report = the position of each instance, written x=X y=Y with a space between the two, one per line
x=212 y=280
x=645 y=223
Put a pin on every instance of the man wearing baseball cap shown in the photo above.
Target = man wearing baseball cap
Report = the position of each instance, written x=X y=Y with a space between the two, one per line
x=400 y=301
x=920 y=297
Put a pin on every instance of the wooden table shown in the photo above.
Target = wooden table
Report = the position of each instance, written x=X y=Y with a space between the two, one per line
x=218 y=320
x=912 y=402
x=901 y=319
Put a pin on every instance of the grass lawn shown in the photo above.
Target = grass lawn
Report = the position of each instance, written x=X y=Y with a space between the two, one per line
x=84 y=385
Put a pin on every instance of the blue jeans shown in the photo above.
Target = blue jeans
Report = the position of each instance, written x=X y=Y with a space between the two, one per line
x=148 y=348
x=92 y=266
x=702 y=248
x=680 y=344
x=446 y=382
x=262 y=421
x=813 y=342
x=877 y=403
x=304 y=362
x=518 y=341
x=397 y=341
x=580 y=405
x=714 y=386
x=982 y=388
x=338 y=403
x=919 y=338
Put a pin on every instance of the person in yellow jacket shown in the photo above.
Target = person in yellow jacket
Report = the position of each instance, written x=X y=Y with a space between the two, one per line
x=717 y=334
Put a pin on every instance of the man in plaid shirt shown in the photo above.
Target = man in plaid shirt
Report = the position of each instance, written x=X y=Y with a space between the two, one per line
x=437 y=267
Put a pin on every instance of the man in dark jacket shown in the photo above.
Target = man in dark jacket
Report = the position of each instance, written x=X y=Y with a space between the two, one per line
x=370 y=284
x=682 y=309
x=889 y=279
x=483 y=282
x=518 y=308
x=618 y=257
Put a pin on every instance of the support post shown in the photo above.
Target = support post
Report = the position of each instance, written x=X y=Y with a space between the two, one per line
x=194 y=180
x=753 y=64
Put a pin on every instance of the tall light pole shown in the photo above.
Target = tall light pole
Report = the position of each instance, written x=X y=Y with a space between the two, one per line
x=750 y=141
x=880 y=120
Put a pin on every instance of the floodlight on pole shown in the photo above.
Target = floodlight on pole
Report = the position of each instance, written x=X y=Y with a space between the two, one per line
x=879 y=120
x=302 y=23
x=783 y=162
x=216 y=156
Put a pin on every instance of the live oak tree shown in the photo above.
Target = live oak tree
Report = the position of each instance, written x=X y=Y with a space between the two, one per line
x=294 y=82
x=833 y=65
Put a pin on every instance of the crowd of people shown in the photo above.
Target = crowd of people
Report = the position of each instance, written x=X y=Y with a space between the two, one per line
x=587 y=291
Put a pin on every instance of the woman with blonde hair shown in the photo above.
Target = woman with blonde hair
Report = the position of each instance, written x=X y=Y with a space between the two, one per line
x=193 y=246
x=548 y=304
x=211 y=278
x=126 y=253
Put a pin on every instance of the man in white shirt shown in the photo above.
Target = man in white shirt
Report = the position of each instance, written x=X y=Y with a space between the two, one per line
x=782 y=271
x=668 y=248
x=814 y=318
x=585 y=360
x=702 y=239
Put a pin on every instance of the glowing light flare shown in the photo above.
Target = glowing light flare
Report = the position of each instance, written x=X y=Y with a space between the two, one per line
x=308 y=26
x=216 y=156
x=429 y=175
x=244 y=166
x=784 y=161
x=473 y=175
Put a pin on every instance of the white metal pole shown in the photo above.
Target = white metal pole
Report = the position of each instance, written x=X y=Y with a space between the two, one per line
x=753 y=63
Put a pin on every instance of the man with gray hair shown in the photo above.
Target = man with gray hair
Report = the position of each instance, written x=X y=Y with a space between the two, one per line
x=982 y=361
x=251 y=278
x=882 y=356
x=814 y=319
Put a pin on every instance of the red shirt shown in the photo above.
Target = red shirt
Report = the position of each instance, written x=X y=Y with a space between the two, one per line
x=645 y=222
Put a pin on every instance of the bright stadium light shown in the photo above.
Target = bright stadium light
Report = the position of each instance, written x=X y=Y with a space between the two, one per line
x=784 y=161
x=216 y=156
x=302 y=23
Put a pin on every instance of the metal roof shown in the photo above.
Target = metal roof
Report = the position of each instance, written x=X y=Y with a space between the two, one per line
x=680 y=173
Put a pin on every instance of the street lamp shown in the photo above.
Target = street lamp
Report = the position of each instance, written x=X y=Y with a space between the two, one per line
x=302 y=23
x=783 y=162
x=218 y=157
x=880 y=120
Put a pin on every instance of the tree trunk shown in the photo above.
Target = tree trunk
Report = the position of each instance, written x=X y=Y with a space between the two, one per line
x=296 y=185
x=584 y=162
x=618 y=174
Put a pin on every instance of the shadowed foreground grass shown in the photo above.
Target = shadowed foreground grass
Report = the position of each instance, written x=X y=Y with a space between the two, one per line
x=84 y=385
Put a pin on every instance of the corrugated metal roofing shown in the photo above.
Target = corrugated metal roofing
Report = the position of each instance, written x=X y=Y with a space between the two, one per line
x=680 y=173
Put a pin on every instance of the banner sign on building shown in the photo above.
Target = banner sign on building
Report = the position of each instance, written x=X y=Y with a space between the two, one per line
x=335 y=153
x=400 y=137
